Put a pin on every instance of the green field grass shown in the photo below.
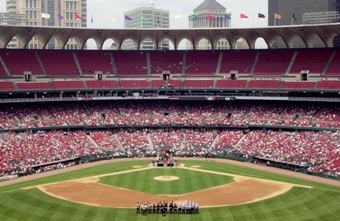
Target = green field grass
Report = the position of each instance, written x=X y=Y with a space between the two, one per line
x=319 y=203
x=189 y=181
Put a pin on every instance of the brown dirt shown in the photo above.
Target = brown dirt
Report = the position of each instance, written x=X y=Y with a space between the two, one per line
x=243 y=190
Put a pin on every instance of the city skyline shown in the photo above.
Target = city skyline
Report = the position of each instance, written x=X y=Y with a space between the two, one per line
x=102 y=12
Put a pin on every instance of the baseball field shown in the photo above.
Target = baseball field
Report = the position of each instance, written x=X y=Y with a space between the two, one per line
x=224 y=190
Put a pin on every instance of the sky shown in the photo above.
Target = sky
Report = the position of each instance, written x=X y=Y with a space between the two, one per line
x=101 y=10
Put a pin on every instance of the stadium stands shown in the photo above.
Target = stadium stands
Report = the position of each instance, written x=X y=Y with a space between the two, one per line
x=92 y=61
x=166 y=61
x=201 y=62
x=130 y=63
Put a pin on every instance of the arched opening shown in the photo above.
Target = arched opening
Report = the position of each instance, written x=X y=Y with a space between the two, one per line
x=91 y=44
x=166 y=44
x=260 y=43
x=147 y=44
x=185 y=44
x=204 y=44
x=241 y=43
x=110 y=44
x=129 y=44
x=222 y=44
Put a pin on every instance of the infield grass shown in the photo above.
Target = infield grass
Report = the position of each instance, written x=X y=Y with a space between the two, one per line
x=322 y=202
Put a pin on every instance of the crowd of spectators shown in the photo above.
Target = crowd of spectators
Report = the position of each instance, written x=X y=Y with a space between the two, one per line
x=127 y=113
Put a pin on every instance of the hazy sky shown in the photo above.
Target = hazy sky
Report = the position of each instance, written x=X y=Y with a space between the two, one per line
x=101 y=10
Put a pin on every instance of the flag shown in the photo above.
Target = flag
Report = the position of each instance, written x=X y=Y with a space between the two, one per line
x=127 y=18
x=261 y=15
x=211 y=17
x=243 y=16
x=43 y=15
x=111 y=18
x=293 y=16
x=144 y=18
x=277 y=16
x=78 y=16
x=178 y=16
x=194 y=16
x=228 y=17
x=60 y=17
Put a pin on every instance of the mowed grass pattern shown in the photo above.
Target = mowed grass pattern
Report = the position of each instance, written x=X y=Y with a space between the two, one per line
x=189 y=181
x=319 y=203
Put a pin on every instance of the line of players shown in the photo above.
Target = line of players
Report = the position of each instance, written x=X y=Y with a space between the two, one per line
x=165 y=207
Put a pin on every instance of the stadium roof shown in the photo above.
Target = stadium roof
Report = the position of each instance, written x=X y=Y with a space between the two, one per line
x=209 y=4
x=307 y=33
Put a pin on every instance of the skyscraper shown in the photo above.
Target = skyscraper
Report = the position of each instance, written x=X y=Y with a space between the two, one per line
x=147 y=17
x=293 y=12
x=210 y=14
x=62 y=13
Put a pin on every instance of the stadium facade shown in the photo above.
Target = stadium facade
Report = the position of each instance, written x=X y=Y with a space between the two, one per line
x=147 y=17
x=60 y=13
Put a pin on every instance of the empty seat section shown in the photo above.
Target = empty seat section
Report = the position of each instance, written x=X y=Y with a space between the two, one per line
x=58 y=63
x=101 y=84
x=237 y=60
x=91 y=61
x=329 y=85
x=175 y=83
x=334 y=68
x=166 y=61
x=298 y=85
x=134 y=84
x=18 y=61
x=267 y=84
x=198 y=83
x=34 y=86
x=273 y=62
x=157 y=83
x=201 y=62
x=68 y=85
x=7 y=86
x=314 y=60
x=231 y=83
x=131 y=63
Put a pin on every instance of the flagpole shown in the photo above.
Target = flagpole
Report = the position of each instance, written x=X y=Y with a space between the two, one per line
x=274 y=19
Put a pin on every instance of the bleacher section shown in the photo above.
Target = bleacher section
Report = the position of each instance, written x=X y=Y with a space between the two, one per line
x=134 y=84
x=334 y=67
x=91 y=61
x=166 y=61
x=59 y=63
x=237 y=60
x=201 y=62
x=329 y=85
x=33 y=86
x=231 y=84
x=298 y=85
x=130 y=63
x=68 y=85
x=198 y=83
x=101 y=84
x=273 y=63
x=7 y=86
x=18 y=61
x=314 y=60
x=268 y=84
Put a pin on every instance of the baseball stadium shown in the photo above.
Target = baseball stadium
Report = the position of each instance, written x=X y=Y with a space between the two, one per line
x=218 y=134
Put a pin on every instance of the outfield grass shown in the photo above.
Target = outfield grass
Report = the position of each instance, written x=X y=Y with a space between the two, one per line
x=189 y=181
x=319 y=203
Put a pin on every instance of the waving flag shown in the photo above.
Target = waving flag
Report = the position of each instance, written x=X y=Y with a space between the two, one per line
x=111 y=18
x=211 y=17
x=78 y=16
x=261 y=15
x=127 y=18
x=243 y=16
x=60 y=17
x=144 y=18
x=178 y=16
x=277 y=16
x=227 y=17
x=194 y=16
x=43 y=15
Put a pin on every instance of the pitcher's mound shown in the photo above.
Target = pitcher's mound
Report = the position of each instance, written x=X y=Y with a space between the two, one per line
x=166 y=178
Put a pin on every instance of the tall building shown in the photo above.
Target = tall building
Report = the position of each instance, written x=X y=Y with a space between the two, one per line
x=210 y=14
x=293 y=12
x=61 y=13
x=147 y=17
